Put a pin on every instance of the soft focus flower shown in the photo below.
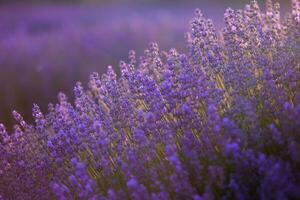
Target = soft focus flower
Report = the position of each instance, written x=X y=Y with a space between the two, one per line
x=220 y=122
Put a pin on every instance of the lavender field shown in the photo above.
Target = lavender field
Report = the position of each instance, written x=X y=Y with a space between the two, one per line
x=46 y=48
x=150 y=101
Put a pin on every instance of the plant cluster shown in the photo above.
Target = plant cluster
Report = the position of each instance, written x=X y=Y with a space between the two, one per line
x=219 y=122
x=39 y=43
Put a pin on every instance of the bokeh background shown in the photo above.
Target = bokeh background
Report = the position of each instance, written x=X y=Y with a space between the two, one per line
x=48 y=45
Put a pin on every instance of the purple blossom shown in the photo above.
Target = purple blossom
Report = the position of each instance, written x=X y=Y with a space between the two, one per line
x=220 y=122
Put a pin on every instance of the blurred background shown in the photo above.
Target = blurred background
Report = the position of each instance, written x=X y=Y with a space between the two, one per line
x=48 y=45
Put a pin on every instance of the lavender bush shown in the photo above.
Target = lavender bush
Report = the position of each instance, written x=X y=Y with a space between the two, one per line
x=45 y=49
x=219 y=122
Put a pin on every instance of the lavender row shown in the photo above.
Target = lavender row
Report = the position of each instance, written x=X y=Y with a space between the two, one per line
x=221 y=121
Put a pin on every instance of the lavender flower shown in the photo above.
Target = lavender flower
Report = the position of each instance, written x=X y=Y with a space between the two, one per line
x=220 y=122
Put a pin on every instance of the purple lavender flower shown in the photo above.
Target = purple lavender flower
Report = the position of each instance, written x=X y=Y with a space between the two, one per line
x=220 y=122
